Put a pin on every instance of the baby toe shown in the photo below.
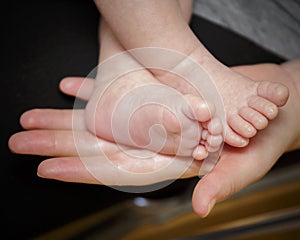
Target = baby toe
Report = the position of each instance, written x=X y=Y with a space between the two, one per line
x=277 y=93
x=204 y=135
x=200 y=153
x=214 y=141
x=211 y=149
x=215 y=126
x=198 y=109
x=235 y=140
x=257 y=120
x=263 y=106
x=240 y=126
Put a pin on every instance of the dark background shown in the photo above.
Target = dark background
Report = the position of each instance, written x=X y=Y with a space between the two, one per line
x=45 y=41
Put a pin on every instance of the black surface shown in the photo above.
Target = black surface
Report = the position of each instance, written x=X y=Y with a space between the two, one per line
x=45 y=41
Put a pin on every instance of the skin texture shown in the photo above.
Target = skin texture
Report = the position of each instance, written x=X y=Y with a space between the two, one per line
x=248 y=109
x=193 y=142
x=139 y=111
x=49 y=134
x=189 y=128
x=245 y=165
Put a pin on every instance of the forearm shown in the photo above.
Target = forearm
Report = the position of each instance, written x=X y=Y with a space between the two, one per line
x=152 y=23
x=186 y=7
x=110 y=45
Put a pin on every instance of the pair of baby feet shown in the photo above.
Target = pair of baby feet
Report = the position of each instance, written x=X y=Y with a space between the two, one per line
x=164 y=113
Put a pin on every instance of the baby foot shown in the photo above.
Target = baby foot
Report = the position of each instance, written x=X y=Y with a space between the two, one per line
x=249 y=105
x=138 y=111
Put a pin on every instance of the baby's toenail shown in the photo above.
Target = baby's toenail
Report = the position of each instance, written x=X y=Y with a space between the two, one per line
x=243 y=142
x=272 y=111
x=249 y=129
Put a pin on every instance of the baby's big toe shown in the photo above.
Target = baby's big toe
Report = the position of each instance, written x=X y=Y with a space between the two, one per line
x=277 y=93
x=198 y=109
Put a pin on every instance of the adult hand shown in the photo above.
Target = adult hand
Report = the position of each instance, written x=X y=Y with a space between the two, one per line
x=52 y=133
x=236 y=169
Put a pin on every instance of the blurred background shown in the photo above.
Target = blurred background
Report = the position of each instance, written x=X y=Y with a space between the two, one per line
x=45 y=41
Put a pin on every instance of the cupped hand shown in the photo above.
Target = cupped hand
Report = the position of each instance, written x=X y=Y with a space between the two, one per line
x=50 y=134
x=79 y=156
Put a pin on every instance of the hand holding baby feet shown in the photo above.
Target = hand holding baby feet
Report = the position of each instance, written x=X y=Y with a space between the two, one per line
x=137 y=110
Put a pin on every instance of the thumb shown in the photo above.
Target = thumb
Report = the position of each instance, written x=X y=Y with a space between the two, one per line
x=229 y=176
x=212 y=188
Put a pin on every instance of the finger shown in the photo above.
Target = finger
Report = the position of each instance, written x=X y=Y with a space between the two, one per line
x=142 y=167
x=77 y=87
x=53 y=119
x=68 y=169
x=59 y=143
x=115 y=167
x=98 y=170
